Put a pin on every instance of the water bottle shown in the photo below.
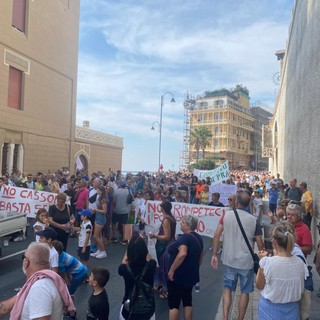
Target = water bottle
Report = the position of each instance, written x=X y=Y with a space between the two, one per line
x=197 y=287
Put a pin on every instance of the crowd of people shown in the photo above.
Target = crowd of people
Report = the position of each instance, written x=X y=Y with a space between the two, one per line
x=97 y=208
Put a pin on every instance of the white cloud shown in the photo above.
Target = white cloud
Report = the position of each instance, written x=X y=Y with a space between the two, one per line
x=145 y=48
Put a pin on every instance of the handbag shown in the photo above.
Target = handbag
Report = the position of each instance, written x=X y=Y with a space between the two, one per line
x=255 y=257
x=305 y=305
x=305 y=301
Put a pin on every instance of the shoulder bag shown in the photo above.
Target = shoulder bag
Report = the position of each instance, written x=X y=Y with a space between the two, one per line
x=305 y=302
x=255 y=257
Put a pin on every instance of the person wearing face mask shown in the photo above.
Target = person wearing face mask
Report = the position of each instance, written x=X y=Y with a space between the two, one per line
x=41 y=282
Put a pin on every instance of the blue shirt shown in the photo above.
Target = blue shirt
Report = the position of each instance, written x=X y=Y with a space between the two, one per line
x=70 y=264
x=187 y=274
x=273 y=196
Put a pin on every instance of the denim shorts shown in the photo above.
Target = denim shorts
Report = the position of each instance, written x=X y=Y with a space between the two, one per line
x=100 y=219
x=231 y=276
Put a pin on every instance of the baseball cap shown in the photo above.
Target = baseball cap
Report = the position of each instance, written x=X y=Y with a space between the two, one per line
x=48 y=233
x=85 y=212
x=259 y=191
x=122 y=183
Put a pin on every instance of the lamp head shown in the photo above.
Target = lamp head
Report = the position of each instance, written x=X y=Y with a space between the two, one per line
x=172 y=100
x=152 y=128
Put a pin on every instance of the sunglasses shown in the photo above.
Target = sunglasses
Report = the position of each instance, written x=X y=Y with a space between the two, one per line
x=230 y=199
x=292 y=206
x=298 y=203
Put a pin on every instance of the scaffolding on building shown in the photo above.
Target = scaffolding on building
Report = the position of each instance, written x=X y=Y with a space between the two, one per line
x=189 y=105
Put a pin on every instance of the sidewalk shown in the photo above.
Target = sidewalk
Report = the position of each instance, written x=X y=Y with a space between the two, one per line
x=254 y=299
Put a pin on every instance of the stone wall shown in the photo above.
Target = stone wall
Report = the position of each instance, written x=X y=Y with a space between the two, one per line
x=296 y=121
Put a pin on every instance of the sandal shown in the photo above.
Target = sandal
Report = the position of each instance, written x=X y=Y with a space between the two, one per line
x=163 y=295
x=157 y=287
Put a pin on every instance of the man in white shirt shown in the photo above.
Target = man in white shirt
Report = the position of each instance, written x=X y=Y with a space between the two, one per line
x=236 y=257
x=50 y=305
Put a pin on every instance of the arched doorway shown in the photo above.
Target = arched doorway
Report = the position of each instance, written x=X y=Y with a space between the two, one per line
x=81 y=163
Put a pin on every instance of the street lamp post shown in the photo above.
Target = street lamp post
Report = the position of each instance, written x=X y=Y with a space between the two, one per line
x=160 y=123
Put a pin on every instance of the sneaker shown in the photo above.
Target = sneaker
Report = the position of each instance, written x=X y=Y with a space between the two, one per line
x=93 y=248
x=114 y=240
x=94 y=254
x=124 y=243
x=101 y=255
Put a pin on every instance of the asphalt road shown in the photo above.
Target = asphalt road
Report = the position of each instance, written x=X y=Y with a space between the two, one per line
x=205 y=303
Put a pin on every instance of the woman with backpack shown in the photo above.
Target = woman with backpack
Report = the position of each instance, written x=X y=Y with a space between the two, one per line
x=137 y=265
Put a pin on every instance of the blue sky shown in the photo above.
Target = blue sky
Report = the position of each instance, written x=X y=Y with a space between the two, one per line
x=133 y=51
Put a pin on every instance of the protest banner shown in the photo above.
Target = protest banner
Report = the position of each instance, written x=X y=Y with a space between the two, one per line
x=208 y=219
x=224 y=190
x=208 y=216
x=26 y=201
x=216 y=175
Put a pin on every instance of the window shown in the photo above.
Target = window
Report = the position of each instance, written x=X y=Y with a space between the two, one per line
x=15 y=88
x=19 y=14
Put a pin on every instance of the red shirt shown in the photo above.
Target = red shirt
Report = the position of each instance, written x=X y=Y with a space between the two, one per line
x=303 y=235
x=82 y=199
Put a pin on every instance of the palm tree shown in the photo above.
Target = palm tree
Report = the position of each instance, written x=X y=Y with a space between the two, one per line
x=205 y=135
x=195 y=141
x=199 y=138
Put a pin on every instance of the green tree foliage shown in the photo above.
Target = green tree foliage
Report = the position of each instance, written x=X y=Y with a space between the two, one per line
x=199 y=138
x=207 y=164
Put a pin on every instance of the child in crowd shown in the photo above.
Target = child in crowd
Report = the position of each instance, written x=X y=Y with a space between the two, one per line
x=98 y=308
x=84 y=241
x=41 y=222
x=71 y=270
x=48 y=235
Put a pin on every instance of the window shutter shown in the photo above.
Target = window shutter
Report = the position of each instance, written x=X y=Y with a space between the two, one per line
x=19 y=15
x=15 y=88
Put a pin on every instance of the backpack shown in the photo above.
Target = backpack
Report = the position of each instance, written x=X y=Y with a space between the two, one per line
x=93 y=198
x=129 y=197
x=141 y=299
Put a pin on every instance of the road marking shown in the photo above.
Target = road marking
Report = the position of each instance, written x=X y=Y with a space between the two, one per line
x=12 y=255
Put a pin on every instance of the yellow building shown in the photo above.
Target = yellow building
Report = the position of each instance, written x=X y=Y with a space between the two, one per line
x=228 y=117
x=38 y=90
